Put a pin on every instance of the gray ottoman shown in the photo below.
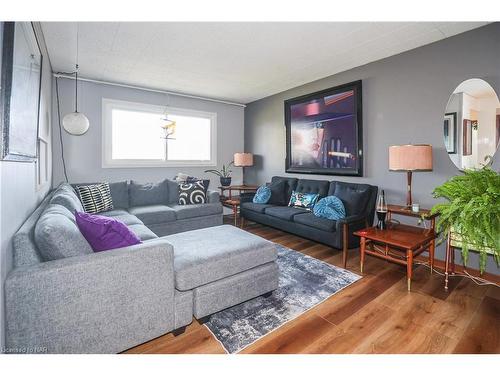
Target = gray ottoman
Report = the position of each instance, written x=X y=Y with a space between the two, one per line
x=223 y=266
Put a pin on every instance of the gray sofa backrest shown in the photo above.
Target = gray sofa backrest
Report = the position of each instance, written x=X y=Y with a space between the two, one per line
x=290 y=182
x=147 y=194
x=313 y=186
x=23 y=243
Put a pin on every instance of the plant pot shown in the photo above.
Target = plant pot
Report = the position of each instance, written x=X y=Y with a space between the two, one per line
x=225 y=181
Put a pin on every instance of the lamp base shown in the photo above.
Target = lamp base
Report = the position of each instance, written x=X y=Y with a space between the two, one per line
x=408 y=189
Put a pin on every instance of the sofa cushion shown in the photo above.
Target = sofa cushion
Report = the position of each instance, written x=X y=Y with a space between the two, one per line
x=354 y=196
x=206 y=255
x=154 y=214
x=278 y=193
x=105 y=233
x=290 y=184
x=314 y=221
x=142 y=231
x=127 y=219
x=285 y=213
x=148 y=194
x=66 y=196
x=57 y=236
x=196 y=210
x=173 y=191
x=114 y=213
x=255 y=207
x=313 y=186
x=119 y=193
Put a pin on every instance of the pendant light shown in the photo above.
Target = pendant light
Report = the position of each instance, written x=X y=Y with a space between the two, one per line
x=168 y=125
x=76 y=123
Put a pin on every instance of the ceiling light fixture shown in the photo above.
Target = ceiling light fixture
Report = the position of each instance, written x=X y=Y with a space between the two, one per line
x=76 y=123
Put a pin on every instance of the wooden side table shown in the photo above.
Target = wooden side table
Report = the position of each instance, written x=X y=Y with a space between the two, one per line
x=399 y=243
x=233 y=201
x=234 y=204
x=238 y=188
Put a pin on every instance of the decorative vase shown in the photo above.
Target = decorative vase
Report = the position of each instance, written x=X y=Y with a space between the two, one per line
x=225 y=181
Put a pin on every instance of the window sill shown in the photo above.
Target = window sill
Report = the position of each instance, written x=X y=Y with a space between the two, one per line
x=159 y=164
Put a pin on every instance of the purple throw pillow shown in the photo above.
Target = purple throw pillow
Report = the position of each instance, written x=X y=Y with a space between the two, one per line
x=105 y=233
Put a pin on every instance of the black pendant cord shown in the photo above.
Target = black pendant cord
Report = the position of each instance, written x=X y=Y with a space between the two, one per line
x=60 y=130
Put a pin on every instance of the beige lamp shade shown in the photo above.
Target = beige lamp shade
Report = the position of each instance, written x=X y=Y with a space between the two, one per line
x=243 y=159
x=410 y=158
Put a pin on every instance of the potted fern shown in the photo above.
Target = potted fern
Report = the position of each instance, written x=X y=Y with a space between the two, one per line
x=224 y=173
x=471 y=213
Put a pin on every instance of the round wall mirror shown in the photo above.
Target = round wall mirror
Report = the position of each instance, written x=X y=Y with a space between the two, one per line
x=472 y=124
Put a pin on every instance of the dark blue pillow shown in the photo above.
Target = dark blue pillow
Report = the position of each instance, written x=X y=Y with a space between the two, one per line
x=330 y=207
x=262 y=195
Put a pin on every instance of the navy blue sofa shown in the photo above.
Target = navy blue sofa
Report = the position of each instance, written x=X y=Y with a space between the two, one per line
x=359 y=201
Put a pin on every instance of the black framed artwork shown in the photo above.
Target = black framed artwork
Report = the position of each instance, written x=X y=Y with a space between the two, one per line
x=20 y=100
x=450 y=132
x=324 y=132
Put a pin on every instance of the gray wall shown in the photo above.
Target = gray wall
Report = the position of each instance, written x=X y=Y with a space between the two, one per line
x=19 y=194
x=404 y=100
x=83 y=153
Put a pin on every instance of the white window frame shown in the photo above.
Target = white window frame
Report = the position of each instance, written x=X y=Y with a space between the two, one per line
x=108 y=162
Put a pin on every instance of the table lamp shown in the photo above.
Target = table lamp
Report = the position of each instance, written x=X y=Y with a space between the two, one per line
x=243 y=159
x=409 y=159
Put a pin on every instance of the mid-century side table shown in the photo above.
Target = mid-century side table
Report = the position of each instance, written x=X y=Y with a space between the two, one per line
x=233 y=202
x=399 y=243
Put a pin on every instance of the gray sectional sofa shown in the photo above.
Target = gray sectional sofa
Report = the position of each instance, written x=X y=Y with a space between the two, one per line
x=106 y=302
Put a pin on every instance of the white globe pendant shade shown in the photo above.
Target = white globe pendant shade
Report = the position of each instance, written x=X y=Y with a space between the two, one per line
x=76 y=123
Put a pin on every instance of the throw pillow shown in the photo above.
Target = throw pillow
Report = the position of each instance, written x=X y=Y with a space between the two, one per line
x=303 y=200
x=57 y=236
x=354 y=199
x=192 y=193
x=329 y=207
x=262 y=195
x=278 y=193
x=105 y=233
x=95 y=198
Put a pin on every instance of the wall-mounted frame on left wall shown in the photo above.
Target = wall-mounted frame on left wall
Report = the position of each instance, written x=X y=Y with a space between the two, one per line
x=20 y=100
x=324 y=132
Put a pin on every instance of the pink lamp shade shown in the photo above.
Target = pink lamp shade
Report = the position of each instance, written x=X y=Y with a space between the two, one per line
x=410 y=158
x=242 y=159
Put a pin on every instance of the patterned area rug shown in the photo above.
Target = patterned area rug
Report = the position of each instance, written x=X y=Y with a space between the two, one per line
x=304 y=283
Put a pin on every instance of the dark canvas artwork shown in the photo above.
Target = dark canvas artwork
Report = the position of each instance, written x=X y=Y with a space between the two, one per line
x=324 y=132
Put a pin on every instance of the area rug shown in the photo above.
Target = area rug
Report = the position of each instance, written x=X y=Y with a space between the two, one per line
x=304 y=283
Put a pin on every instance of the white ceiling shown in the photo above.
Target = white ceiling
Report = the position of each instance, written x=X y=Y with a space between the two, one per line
x=241 y=62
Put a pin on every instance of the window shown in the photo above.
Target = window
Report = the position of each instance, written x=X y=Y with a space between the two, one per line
x=132 y=136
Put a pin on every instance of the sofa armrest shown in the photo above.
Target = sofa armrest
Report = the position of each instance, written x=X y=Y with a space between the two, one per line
x=213 y=196
x=351 y=221
x=98 y=303
x=246 y=197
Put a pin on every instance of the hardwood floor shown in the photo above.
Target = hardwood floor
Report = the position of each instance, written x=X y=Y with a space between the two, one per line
x=374 y=315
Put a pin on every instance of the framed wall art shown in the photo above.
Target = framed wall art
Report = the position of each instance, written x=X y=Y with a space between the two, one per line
x=324 y=132
x=20 y=99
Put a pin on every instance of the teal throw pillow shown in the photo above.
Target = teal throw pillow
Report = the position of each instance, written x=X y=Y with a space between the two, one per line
x=262 y=195
x=330 y=207
x=303 y=200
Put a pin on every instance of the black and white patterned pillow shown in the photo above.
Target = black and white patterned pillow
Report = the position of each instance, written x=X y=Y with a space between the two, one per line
x=95 y=198
x=192 y=193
